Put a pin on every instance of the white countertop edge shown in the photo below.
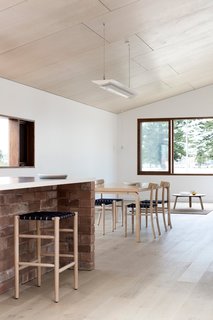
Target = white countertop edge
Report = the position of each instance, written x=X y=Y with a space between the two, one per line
x=11 y=183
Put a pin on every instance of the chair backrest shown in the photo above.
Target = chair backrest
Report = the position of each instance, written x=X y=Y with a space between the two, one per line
x=153 y=187
x=132 y=184
x=165 y=185
x=99 y=182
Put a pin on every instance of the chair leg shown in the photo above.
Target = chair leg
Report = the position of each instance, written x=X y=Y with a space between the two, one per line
x=16 y=258
x=99 y=218
x=133 y=220
x=157 y=220
x=114 y=215
x=146 y=215
x=152 y=223
x=169 y=216
x=125 y=220
x=56 y=258
x=164 y=218
x=75 y=251
x=140 y=218
x=38 y=227
x=122 y=208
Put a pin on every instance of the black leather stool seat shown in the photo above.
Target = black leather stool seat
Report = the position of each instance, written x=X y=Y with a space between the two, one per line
x=46 y=215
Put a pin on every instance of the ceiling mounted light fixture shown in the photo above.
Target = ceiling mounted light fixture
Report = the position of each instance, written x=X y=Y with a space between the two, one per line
x=112 y=85
x=115 y=87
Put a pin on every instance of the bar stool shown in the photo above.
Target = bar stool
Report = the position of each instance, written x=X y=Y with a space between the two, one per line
x=56 y=217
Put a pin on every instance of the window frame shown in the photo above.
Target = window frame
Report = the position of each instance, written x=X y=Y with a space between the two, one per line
x=23 y=147
x=170 y=170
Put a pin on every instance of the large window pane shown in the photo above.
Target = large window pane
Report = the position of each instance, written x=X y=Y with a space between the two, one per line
x=154 y=144
x=193 y=146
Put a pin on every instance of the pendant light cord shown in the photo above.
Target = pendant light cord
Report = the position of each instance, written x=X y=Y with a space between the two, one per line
x=104 y=53
x=104 y=56
x=129 y=61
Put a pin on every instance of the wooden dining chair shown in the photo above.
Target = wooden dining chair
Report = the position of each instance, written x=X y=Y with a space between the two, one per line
x=103 y=204
x=164 y=206
x=148 y=209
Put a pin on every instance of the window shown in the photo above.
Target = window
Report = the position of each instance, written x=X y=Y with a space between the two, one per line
x=175 y=146
x=16 y=142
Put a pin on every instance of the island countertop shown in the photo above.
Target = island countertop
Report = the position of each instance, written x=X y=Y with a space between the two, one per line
x=11 y=183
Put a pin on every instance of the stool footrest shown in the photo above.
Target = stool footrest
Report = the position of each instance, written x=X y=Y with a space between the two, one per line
x=36 y=264
x=34 y=236
x=24 y=266
x=64 y=255
x=61 y=230
x=66 y=230
x=67 y=266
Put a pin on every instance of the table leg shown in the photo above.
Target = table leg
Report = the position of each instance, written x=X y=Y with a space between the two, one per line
x=137 y=212
x=201 y=203
x=175 y=202
x=190 y=201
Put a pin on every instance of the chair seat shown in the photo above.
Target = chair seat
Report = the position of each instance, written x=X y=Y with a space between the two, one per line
x=46 y=215
x=161 y=201
x=106 y=201
x=143 y=204
x=99 y=202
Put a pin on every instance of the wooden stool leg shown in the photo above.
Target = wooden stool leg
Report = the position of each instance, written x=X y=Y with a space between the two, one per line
x=16 y=258
x=75 y=236
x=38 y=227
x=56 y=258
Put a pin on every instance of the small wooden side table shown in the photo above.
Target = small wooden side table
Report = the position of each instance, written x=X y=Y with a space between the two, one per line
x=190 y=196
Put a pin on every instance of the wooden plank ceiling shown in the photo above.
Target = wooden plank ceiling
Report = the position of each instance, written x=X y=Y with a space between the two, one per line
x=57 y=46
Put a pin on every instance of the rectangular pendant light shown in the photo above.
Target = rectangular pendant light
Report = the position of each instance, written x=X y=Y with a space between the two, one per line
x=115 y=87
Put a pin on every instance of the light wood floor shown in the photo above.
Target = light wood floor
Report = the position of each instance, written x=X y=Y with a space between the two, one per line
x=167 y=279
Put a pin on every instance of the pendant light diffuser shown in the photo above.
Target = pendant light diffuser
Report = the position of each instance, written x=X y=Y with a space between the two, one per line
x=115 y=87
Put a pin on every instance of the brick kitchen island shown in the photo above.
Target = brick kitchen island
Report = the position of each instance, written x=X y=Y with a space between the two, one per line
x=28 y=194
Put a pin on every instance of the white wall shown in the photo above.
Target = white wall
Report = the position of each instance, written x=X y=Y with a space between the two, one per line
x=69 y=137
x=191 y=104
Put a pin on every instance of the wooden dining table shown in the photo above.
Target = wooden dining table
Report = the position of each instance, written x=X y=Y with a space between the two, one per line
x=125 y=189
